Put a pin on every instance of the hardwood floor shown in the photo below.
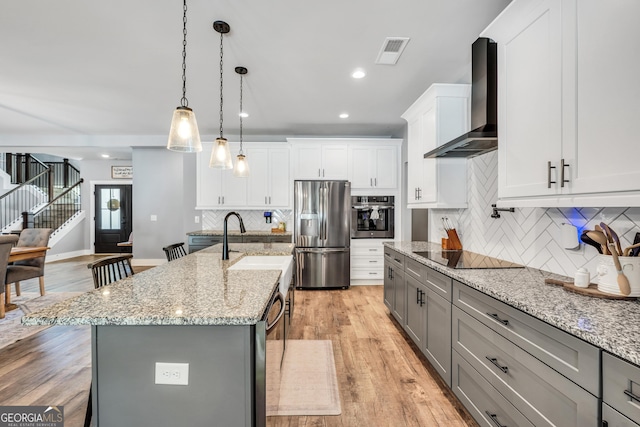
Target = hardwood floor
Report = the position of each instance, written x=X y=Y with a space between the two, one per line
x=383 y=381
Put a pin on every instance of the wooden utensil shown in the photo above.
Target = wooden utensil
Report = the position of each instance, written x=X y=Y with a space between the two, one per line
x=599 y=237
x=623 y=281
x=589 y=241
x=627 y=250
x=613 y=235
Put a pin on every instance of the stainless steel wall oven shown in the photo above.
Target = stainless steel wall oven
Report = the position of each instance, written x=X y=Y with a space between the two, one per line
x=372 y=217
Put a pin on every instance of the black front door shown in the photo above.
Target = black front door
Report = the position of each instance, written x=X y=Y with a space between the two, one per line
x=113 y=218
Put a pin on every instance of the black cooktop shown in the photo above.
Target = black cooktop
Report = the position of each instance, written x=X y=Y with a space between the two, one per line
x=466 y=260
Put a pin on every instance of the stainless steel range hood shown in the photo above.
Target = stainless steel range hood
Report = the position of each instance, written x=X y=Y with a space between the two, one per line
x=483 y=137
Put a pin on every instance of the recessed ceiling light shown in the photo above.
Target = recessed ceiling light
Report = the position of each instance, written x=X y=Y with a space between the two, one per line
x=344 y=115
x=358 y=74
x=243 y=114
x=106 y=156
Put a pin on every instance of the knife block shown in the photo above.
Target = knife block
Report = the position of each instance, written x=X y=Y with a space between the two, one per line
x=452 y=243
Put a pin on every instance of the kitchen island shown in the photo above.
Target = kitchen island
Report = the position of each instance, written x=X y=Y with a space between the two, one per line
x=191 y=311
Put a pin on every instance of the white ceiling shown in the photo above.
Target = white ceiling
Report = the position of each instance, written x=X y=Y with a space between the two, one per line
x=73 y=70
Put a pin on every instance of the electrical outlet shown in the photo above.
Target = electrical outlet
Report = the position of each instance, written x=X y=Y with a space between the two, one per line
x=172 y=373
x=197 y=219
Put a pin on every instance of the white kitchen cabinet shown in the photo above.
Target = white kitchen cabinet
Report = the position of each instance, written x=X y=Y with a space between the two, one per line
x=269 y=183
x=438 y=116
x=567 y=103
x=320 y=158
x=373 y=165
x=217 y=188
x=367 y=260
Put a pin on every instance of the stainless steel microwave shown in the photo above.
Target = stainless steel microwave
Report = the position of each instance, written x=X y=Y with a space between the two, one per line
x=372 y=217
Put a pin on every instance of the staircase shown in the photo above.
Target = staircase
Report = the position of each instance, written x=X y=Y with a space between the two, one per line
x=39 y=195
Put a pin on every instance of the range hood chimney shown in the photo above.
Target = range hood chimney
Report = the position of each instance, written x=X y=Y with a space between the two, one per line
x=483 y=137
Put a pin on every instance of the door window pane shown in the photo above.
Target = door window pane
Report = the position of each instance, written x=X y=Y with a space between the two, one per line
x=110 y=209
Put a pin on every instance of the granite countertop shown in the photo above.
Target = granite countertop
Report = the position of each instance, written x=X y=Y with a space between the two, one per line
x=236 y=233
x=609 y=324
x=197 y=289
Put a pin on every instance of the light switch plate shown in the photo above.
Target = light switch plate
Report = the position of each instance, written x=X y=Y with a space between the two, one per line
x=172 y=373
x=154 y=217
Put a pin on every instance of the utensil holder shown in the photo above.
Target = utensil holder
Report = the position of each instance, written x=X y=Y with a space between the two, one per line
x=607 y=274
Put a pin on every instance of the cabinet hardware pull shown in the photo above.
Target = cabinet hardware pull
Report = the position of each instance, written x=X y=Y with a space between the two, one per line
x=422 y=294
x=419 y=193
x=373 y=260
x=323 y=173
x=373 y=250
x=269 y=199
x=631 y=395
x=549 y=167
x=415 y=193
x=375 y=182
x=397 y=260
x=218 y=199
x=265 y=200
x=494 y=418
x=495 y=362
x=370 y=182
x=495 y=317
x=562 y=166
x=318 y=173
x=373 y=273
x=417 y=295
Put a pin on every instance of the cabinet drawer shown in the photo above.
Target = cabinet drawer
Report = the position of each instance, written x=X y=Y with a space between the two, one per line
x=255 y=239
x=440 y=283
x=541 y=394
x=394 y=258
x=367 y=262
x=415 y=269
x=204 y=240
x=488 y=407
x=613 y=418
x=620 y=379
x=376 y=251
x=279 y=239
x=575 y=359
x=365 y=273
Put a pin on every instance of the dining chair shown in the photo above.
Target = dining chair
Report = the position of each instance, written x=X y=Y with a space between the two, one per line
x=110 y=269
x=28 y=268
x=6 y=243
x=174 y=251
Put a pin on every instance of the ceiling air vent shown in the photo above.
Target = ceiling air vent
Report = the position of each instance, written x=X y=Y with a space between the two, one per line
x=391 y=50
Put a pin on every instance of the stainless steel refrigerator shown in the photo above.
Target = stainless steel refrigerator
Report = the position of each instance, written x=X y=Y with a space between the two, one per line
x=322 y=230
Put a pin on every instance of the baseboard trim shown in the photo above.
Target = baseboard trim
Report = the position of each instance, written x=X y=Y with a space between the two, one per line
x=67 y=255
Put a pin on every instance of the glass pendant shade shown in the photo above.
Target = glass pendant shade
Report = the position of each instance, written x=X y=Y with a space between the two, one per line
x=221 y=155
x=184 y=135
x=241 y=168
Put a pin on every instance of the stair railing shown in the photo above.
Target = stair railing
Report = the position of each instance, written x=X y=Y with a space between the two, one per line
x=24 y=198
x=58 y=211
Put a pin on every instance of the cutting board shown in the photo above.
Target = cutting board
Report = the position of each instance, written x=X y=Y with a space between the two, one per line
x=591 y=291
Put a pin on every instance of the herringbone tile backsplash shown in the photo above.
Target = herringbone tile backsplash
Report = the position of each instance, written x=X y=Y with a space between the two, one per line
x=529 y=236
x=253 y=220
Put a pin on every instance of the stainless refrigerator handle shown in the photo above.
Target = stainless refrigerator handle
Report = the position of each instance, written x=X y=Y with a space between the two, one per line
x=321 y=251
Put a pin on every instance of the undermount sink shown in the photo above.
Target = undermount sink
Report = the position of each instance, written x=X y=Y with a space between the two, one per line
x=276 y=262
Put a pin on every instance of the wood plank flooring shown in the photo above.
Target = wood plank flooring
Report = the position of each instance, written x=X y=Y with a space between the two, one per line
x=382 y=379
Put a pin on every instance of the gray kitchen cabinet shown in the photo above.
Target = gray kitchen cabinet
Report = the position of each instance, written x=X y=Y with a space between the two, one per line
x=197 y=243
x=567 y=354
x=437 y=347
x=487 y=406
x=621 y=387
x=415 y=319
x=542 y=395
x=613 y=418
x=394 y=284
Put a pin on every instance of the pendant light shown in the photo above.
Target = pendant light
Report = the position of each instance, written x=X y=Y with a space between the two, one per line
x=241 y=168
x=184 y=135
x=221 y=156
